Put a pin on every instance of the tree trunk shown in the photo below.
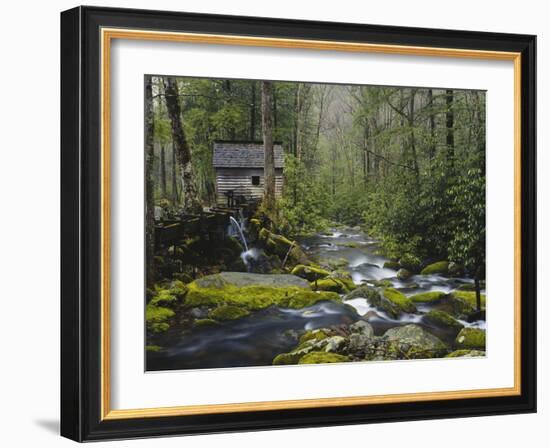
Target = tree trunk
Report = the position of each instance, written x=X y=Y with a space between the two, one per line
x=269 y=157
x=175 y=197
x=450 y=140
x=478 y=293
x=431 y=151
x=149 y=186
x=191 y=203
x=163 y=172
x=299 y=121
x=252 y=133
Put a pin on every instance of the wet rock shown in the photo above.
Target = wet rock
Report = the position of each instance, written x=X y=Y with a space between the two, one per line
x=466 y=354
x=403 y=274
x=444 y=320
x=322 y=358
x=412 y=341
x=362 y=328
x=427 y=297
x=199 y=313
x=357 y=342
x=471 y=338
x=399 y=299
x=439 y=267
x=310 y=273
x=392 y=265
x=375 y=299
x=248 y=279
x=334 y=344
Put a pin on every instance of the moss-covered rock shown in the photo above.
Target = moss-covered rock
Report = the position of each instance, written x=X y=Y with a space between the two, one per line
x=287 y=359
x=322 y=358
x=469 y=297
x=385 y=283
x=392 y=265
x=443 y=319
x=205 y=322
x=336 y=285
x=153 y=348
x=282 y=247
x=164 y=297
x=256 y=296
x=228 y=312
x=375 y=299
x=427 y=297
x=399 y=299
x=465 y=353
x=439 y=267
x=157 y=318
x=414 y=342
x=316 y=335
x=471 y=338
x=403 y=274
x=310 y=273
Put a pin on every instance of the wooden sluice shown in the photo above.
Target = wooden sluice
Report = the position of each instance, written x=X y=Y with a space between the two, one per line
x=211 y=224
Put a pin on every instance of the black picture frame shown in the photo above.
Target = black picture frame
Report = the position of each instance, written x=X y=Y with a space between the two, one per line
x=81 y=224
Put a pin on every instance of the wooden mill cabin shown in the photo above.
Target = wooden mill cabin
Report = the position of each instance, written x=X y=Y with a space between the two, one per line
x=240 y=171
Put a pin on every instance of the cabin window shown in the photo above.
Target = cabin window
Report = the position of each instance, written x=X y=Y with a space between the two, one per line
x=255 y=180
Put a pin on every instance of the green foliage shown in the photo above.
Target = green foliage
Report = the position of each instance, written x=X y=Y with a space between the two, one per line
x=157 y=317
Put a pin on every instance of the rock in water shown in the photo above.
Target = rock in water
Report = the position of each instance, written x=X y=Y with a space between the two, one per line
x=415 y=342
x=247 y=279
x=403 y=274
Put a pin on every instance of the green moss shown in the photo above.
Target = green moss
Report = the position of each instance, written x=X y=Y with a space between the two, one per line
x=205 y=322
x=317 y=335
x=472 y=338
x=310 y=273
x=287 y=359
x=439 y=267
x=431 y=296
x=465 y=353
x=163 y=297
x=255 y=297
x=350 y=244
x=182 y=276
x=337 y=285
x=392 y=265
x=469 y=297
x=228 y=312
x=443 y=319
x=399 y=299
x=385 y=283
x=153 y=348
x=178 y=288
x=156 y=318
x=322 y=358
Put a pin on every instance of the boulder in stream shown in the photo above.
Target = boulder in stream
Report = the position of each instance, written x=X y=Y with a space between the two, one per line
x=471 y=338
x=412 y=341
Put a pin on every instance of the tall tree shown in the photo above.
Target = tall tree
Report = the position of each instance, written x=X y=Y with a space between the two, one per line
x=149 y=184
x=191 y=202
x=449 y=122
x=175 y=196
x=269 y=156
x=252 y=131
x=163 y=172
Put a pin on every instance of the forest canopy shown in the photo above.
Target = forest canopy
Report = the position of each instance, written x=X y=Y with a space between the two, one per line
x=405 y=163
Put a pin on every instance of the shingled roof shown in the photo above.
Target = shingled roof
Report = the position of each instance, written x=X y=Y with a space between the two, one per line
x=244 y=155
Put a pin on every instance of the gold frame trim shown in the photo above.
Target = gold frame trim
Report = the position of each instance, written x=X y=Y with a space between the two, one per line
x=107 y=35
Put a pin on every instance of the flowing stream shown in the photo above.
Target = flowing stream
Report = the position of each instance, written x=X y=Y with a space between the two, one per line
x=256 y=339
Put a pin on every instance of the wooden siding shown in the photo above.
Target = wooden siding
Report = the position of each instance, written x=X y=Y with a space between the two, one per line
x=240 y=182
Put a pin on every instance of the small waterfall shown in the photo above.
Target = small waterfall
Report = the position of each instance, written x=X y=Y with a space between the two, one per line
x=236 y=224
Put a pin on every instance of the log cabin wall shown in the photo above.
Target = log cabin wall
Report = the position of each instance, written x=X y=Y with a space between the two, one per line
x=239 y=169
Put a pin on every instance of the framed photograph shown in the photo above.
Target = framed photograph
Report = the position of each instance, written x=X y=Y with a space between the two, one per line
x=276 y=224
